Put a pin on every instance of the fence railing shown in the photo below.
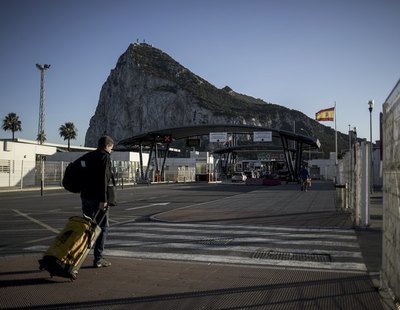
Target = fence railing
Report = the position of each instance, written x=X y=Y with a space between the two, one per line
x=25 y=174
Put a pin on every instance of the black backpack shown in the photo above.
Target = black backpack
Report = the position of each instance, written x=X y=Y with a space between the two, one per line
x=74 y=176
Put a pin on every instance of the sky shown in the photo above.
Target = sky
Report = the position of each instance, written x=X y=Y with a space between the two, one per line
x=305 y=55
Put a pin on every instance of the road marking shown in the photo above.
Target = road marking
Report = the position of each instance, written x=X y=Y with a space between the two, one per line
x=219 y=227
x=39 y=240
x=37 y=222
x=238 y=260
x=250 y=239
x=197 y=244
x=150 y=205
x=234 y=244
x=236 y=232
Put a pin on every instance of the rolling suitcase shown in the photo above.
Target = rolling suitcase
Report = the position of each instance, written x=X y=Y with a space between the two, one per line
x=68 y=251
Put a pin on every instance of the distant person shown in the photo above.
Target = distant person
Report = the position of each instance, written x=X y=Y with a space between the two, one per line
x=304 y=176
x=94 y=192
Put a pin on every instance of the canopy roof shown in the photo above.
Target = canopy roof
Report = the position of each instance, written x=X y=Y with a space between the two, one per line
x=177 y=133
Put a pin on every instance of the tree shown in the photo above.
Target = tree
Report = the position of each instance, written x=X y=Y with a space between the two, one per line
x=41 y=137
x=12 y=122
x=68 y=132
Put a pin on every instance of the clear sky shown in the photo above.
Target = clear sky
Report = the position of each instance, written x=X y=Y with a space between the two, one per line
x=301 y=54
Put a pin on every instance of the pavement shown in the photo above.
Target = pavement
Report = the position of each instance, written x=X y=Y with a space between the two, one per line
x=132 y=283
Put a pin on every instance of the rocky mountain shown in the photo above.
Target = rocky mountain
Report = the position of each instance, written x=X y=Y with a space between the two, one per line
x=148 y=90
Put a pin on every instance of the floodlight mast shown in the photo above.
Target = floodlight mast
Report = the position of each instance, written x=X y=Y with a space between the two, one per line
x=40 y=136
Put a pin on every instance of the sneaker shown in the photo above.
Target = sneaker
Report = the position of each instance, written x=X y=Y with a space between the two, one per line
x=102 y=262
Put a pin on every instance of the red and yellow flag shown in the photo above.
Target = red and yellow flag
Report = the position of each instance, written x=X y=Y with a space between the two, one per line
x=325 y=115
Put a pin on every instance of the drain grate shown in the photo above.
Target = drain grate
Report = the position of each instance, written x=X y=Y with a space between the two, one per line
x=215 y=241
x=291 y=256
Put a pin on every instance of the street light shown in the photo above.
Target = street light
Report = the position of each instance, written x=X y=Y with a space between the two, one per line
x=370 y=107
x=41 y=137
x=41 y=134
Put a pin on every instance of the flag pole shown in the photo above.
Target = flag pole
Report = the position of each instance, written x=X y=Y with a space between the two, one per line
x=336 y=154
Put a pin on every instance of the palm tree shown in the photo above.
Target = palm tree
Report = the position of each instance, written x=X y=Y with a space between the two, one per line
x=41 y=137
x=68 y=132
x=12 y=122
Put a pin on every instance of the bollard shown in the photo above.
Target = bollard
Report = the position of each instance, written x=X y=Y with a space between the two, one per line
x=340 y=195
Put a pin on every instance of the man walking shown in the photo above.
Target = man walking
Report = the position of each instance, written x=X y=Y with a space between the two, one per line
x=94 y=192
x=304 y=175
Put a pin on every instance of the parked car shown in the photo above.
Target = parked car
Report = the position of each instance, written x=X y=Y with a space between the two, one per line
x=239 y=177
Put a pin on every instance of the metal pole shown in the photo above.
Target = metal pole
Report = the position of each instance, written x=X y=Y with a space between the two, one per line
x=41 y=104
x=349 y=171
x=370 y=107
x=22 y=174
x=336 y=143
x=371 y=155
x=41 y=175
x=41 y=134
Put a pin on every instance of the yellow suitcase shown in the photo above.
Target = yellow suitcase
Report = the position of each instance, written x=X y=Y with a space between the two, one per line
x=66 y=254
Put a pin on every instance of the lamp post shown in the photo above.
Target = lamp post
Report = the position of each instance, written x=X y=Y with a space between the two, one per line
x=41 y=134
x=350 y=152
x=41 y=137
x=370 y=107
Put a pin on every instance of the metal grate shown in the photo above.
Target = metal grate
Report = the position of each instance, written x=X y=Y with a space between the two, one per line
x=312 y=257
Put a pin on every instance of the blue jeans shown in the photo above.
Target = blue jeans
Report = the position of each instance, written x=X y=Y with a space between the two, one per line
x=89 y=208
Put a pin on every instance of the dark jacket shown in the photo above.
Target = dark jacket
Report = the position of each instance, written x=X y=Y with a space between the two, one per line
x=97 y=176
x=304 y=174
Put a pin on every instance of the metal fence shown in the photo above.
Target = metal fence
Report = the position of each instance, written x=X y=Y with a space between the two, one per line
x=22 y=174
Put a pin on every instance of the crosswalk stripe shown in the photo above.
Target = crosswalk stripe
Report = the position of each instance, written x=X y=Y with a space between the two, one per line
x=236 y=244
x=237 y=232
x=252 y=239
x=237 y=248
x=238 y=260
x=237 y=227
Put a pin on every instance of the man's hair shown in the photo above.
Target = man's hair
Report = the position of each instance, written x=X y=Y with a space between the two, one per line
x=104 y=141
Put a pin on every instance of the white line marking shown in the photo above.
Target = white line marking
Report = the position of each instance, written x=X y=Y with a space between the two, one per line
x=258 y=228
x=37 y=222
x=39 y=240
x=236 y=232
x=195 y=245
x=238 y=260
x=150 y=205
x=272 y=240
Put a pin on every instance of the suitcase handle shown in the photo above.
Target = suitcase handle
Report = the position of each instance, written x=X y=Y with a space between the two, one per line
x=94 y=219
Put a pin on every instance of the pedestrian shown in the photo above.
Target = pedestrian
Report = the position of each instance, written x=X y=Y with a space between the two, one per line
x=303 y=178
x=94 y=192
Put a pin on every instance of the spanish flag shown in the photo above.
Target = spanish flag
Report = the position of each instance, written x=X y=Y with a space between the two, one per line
x=325 y=115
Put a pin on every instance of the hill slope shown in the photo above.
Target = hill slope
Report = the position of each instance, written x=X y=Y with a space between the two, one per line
x=149 y=90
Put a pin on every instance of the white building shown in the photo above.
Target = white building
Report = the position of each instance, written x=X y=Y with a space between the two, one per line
x=25 y=163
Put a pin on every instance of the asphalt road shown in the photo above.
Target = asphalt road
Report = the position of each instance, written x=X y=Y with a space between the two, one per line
x=224 y=223
x=28 y=219
x=166 y=239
